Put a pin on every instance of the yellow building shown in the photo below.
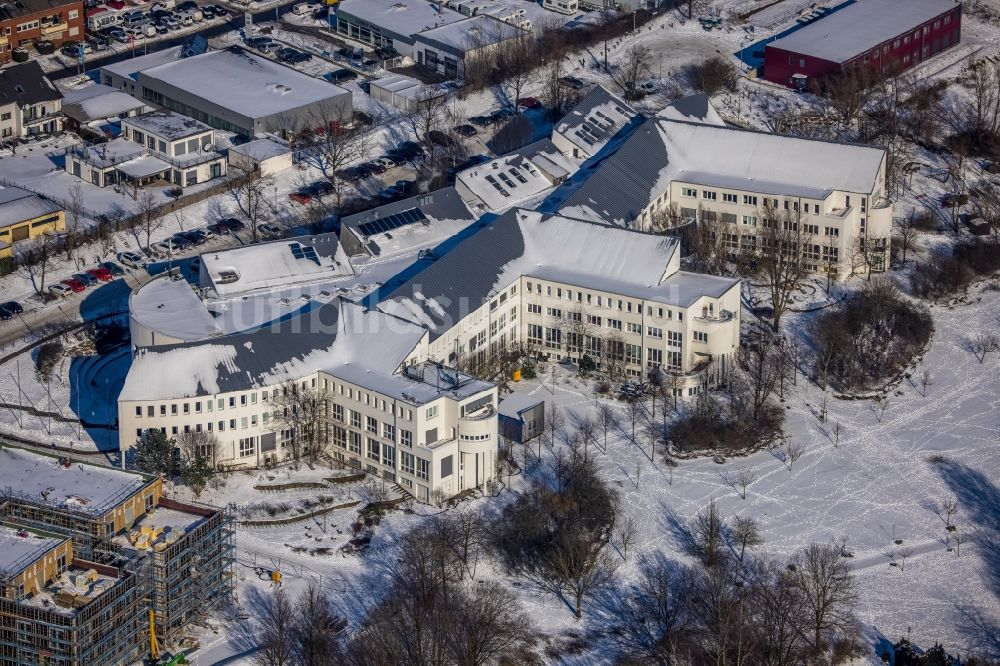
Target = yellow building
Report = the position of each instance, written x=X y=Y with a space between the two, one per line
x=25 y=215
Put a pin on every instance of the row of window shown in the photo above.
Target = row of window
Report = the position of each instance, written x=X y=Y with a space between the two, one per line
x=596 y=300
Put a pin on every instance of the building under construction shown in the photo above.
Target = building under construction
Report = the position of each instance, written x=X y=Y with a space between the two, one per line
x=86 y=552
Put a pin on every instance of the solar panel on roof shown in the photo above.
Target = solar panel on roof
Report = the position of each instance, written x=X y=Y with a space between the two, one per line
x=196 y=45
x=390 y=222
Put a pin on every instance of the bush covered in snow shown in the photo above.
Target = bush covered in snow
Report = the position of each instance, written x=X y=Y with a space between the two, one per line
x=870 y=338
x=944 y=275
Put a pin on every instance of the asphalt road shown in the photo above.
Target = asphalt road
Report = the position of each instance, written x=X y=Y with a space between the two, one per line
x=235 y=22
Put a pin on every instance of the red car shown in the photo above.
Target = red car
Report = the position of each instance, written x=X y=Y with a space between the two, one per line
x=75 y=285
x=301 y=197
x=102 y=274
x=529 y=102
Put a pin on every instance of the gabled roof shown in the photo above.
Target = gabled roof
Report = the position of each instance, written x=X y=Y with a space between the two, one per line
x=529 y=243
x=18 y=205
x=595 y=120
x=324 y=337
x=26 y=84
x=98 y=102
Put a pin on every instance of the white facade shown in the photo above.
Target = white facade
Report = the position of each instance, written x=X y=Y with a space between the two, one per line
x=562 y=6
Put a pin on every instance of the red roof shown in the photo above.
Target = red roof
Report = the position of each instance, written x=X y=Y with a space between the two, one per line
x=117 y=4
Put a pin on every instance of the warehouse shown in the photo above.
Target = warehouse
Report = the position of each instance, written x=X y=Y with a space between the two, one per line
x=885 y=36
x=236 y=91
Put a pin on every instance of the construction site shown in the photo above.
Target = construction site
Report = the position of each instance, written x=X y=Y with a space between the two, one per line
x=97 y=567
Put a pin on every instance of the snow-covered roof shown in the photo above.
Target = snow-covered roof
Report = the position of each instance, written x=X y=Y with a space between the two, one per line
x=132 y=66
x=860 y=27
x=17 y=205
x=329 y=336
x=471 y=33
x=17 y=552
x=696 y=108
x=410 y=224
x=618 y=188
x=244 y=83
x=79 y=486
x=277 y=263
x=595 y=120
x=512 y=405
x=169 y=305
x=167 y=124
x=400 y=84
x=510 y=179
x=417 y=385
x=532 y=244
x=402 y=17
x=143 y=167
x=98 y=102
x=109 y=153
x=262 y=149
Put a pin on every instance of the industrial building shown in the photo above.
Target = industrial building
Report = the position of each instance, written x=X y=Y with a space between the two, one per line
x=885 y=36
x=86 y=552
x=237 y=91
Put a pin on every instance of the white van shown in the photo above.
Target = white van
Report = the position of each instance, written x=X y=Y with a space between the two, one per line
x=305 y=8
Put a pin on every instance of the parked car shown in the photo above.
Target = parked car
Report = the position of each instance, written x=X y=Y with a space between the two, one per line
x=220 y=10
x=387 y=162
x=100 y=273
x=466 y=130
x=113 y=268
x=60 y=290
x=572 y=82
x=500 y=114
x=180 y=241
x=163 y=248
x=649 y=86
x=228 y=225
x=73 y=284
x=271 y=230
x=284 y=52
x=9 y=309
x=407 y=150
x=85 y=279
x=482 y=121
x=188 y=5
x=439 y=138
x=341 y=76
x=529 y=103
x=320 y=188
x=301 y=197
x=208 y=12
x=298 y=57
x=196 y=236
x=131 y=259
x=405 y=187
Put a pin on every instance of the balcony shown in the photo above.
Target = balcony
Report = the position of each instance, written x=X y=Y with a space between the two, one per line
x=711 y=318
x=839 y=213
x=52 y=28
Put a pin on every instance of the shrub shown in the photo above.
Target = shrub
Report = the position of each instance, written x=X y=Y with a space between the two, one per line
x=871 y=337
x=713 y=76
x=943 y=275
x=45 y=48
x=46 y=359
x=20 y=55
x=708 y=427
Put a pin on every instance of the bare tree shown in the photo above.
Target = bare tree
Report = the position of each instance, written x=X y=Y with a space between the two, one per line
x=950 y=507
x=36 y=257
x=707 y=533
x=634 y=67
x=746 y=534
x=742 y=479
x=74 y=215
x=582 y=565
x=148 y=218
x=516 y=58
x=626 y=531
x=757 y=375
x=925 y=381
x=606 y=420
x=555 y=421
x=959 y=538
x=793 y=451
x=275 y=633
x=824 y=578
x=837 y=432
x=250 y=188
x=635 y=411
x=432 y=111
x=903 y=554
x=303 y=412
x=315 y=629
x=331 y=147
x=780 y=253
x=906 y=234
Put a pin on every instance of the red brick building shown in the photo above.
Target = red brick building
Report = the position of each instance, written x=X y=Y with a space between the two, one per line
x=24 y=22
x=888 y=36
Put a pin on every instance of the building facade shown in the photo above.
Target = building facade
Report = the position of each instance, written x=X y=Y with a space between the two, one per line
x=883 y=36
x=25 y=215
x=30 y=105
x=25 y=22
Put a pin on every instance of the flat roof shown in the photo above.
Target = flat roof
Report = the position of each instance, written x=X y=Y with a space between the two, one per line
x=512 y=405
x=246 y=84
x=275 y=264
x=158 y=305
x=20 y=547
x=860 y=27
x=129 y=68
x=403 y=17
x=143 y=167
x=77 y=486
x=262 y=149
x=168 y=124
x=472 y=33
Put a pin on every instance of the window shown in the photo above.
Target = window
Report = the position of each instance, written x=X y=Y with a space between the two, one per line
x=535 y=332
x=615 y=324
x=700 y=337
x=831 y=231
x=371 y=424
x=423 y=469
x=750 y=220
x=749 y=200
x=406 y=438
x=388 y=455
x=389 y=432
x=947 y=20
x=689 y=192
x=372 y=449
x=708 y=194
x=634 y=328
x=431 y=412
x=595 y=321
x=654 y=332
x=654 y=356
x=338 y=413
x=554 y=312
x=355 y=419
x=534 y=309
x=138 y=412
x=247 y=447
x=673 y=339
x=728 y=197
x=407 y=462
